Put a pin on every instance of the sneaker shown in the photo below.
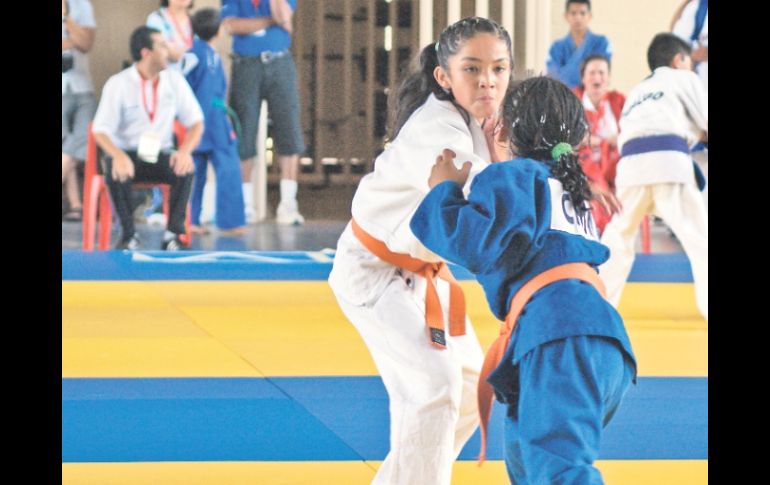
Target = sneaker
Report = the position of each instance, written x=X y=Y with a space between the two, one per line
x=251 y=215
x=128 y=244
x=289 y=217
x=173 y=245
x=73 y=215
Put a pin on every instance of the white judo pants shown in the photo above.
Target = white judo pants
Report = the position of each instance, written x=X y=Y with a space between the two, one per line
x=432 y=392
x=682 y=208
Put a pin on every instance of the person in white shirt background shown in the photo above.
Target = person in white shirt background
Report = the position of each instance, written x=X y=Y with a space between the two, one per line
x=691 y=23
x=78 y=30
x=172 y=19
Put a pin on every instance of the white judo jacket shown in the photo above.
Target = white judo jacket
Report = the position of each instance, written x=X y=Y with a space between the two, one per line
x=387 y=198
x=668 y=102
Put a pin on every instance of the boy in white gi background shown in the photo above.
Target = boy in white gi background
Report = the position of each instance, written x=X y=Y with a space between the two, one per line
x=664 y=116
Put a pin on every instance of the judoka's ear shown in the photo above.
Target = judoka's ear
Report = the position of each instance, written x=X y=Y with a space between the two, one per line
x=442 y=78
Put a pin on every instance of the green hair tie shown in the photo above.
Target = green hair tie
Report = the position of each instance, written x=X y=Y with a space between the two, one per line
x=560 y=149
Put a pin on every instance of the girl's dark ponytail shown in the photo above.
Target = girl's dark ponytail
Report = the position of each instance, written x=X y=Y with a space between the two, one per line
x=546 y=122
x=414 y=90
x=567 y=170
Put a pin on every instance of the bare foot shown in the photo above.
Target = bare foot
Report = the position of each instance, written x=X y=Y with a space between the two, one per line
x=234 y=231
x=199 y=230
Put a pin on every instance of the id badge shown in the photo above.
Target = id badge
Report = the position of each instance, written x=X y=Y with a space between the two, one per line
x=149 y=147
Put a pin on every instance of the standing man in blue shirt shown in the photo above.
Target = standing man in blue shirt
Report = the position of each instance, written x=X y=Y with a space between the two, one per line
x=566 y=54
x=263 y=68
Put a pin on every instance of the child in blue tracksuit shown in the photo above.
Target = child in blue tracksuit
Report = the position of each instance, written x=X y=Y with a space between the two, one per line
x=202 y=67
x=569 y=361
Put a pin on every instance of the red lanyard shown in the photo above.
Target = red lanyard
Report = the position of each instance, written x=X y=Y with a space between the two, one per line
x=151 y=114
x=255 y=3
x=187 y=40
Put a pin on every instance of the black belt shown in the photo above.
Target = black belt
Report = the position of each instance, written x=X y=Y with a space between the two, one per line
x=269 y=56
x=266 y=56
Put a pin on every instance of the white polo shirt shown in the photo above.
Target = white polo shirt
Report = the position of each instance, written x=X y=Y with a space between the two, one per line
x=124 y=114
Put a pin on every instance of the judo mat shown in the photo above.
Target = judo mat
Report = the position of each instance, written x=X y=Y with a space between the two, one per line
x=201 y=368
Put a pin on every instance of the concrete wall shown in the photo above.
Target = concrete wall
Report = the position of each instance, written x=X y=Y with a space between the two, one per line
x=630 y=25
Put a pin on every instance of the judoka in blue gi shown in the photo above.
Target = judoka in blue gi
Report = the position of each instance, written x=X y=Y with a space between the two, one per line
x=569 y=361
x=202 y=67
x=566 y=54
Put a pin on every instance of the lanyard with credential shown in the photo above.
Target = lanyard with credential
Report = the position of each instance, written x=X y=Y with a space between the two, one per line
x=151 y=114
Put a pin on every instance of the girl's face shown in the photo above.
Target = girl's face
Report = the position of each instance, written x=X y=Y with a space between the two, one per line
x=478 y=75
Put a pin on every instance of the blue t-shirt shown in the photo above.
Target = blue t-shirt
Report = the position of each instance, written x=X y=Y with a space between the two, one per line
x=564 y=57
x=517 y=223
x=273 y=39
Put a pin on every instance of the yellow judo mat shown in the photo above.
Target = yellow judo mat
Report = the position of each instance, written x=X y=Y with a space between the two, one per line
x=158 y=329
x=277 y=328
x=620 y=472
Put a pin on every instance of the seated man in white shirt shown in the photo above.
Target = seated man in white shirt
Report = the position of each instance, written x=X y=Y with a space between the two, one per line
x=134 y=126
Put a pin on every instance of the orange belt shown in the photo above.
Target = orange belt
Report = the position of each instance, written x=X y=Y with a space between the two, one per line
x=486 y=395
x=434 y=317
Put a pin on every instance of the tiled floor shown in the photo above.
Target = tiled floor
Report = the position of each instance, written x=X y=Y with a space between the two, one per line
x=327 y=210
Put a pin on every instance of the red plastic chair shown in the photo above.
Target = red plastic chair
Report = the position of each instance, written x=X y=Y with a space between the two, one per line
x=646 y=235
x=96 y=201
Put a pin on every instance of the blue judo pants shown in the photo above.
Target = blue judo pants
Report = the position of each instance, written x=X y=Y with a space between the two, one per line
x=229 y=197
x=569 y=390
